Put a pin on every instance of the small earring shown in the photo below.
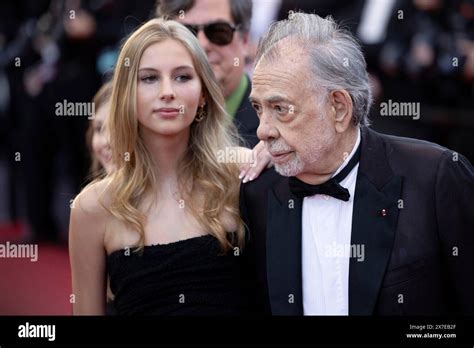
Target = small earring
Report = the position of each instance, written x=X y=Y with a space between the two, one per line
x=201 y=114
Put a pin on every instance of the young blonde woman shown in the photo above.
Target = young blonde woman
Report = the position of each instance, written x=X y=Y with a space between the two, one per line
x=164 y=225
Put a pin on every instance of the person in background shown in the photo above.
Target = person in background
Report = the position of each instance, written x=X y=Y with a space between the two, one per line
x=97 y=138
x=222 y=28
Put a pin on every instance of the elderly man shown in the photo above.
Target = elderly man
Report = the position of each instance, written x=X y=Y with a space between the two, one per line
x=352 y=222
x=222 y=28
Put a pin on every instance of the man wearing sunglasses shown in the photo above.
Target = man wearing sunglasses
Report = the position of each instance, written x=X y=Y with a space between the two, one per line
x=222 y=28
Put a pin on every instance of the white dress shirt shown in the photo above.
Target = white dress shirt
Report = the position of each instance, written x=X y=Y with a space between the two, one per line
x=326 y=228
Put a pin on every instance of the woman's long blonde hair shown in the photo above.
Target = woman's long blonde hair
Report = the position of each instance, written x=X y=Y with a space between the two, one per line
x=135 y=175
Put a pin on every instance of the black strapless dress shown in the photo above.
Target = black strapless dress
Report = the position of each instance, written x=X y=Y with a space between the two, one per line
x=187 y=277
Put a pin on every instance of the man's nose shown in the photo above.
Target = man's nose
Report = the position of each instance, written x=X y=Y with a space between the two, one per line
x=266 y=130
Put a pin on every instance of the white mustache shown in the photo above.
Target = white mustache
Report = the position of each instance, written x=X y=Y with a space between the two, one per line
x=276 y=146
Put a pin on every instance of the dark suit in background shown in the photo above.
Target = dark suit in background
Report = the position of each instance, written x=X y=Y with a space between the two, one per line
x=246 y=120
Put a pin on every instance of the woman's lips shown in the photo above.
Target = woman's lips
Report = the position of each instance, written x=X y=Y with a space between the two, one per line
x=105 y=157
x=168 y=112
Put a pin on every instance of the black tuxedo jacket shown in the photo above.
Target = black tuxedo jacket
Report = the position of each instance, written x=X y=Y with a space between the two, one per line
x=246 y=120
x=419 y=257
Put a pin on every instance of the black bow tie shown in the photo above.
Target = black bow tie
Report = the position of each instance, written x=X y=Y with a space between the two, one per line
x=331 y=187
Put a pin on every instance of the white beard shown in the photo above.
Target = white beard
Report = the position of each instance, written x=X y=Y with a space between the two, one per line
x=291 y=168
x=299 y=161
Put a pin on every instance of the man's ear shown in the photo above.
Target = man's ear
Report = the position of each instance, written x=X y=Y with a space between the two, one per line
x=245 y=37
x=341 y=109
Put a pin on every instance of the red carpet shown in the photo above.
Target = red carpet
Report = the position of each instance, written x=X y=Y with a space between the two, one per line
x=35 y=288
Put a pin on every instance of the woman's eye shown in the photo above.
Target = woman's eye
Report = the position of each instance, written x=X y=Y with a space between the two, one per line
x=183 y=78
x=149 y=78
x=98 y=127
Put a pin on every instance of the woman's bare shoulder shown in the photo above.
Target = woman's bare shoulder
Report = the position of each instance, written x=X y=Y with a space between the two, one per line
x=93 y=199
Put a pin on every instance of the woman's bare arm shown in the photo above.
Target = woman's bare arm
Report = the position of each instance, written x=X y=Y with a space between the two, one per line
x=87 y=253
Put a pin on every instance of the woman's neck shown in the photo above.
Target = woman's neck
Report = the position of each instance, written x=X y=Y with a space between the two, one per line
x=166 y=152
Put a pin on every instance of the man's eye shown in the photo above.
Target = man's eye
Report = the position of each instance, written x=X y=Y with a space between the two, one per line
x=256 y=108
x=149 y=78
x=280 y=109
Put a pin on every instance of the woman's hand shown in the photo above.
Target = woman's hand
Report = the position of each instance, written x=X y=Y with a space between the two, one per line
x=259 y=159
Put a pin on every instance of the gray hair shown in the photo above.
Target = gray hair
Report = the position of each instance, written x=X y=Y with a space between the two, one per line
x=336 y=58
x=240 y=10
